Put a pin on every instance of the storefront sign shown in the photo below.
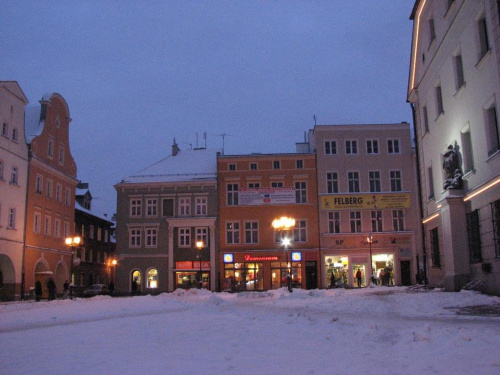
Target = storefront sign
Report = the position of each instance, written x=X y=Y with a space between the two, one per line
x=365 y=201
x=205 y=264
x=296 y=256
x=228 y=258
x=252 y=258
x=186 y=265
x=400 y=239
x=266 y=196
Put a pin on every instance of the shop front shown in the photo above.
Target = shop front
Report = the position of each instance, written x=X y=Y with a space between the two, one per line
x=257 y=271
x=187 y=274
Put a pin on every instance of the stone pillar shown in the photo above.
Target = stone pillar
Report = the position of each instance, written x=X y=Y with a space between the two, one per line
x=170 y=261
x=455 y=245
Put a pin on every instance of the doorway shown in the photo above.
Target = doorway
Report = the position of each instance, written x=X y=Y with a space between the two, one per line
x=311 y=275
x=405 y=272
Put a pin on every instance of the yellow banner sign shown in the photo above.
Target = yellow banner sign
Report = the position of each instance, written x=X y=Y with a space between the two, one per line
x=365 y=201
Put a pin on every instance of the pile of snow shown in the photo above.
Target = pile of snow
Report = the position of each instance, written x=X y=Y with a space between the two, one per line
x=360 y=331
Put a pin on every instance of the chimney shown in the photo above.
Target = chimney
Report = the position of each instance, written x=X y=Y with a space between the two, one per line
x=175 y=148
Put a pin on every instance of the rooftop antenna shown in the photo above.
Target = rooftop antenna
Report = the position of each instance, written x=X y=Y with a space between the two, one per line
x=223 y=135
x=314 y=120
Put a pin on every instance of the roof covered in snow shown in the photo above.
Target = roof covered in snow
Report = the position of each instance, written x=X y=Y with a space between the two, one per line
x=79 y=207
x=189 y=165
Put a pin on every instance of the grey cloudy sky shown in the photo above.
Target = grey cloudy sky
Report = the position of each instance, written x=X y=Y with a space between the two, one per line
x=136 y=74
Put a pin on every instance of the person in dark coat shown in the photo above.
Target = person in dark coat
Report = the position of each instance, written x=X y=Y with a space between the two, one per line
x=51 y=285
x=358 y=277
x=38 y=290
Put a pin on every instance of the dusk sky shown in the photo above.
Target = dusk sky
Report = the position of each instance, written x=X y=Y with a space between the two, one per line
x=137 y=74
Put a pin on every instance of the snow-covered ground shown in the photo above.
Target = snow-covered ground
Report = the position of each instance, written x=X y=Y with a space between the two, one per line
x=365 y=331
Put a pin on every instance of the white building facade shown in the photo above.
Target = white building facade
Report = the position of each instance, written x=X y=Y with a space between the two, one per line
x=13 y=184
x=454 y=91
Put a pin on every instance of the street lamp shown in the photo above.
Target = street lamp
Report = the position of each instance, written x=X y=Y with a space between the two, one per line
x=73 y=243
x=369 y=239
x=285 y=224
x=199 y=246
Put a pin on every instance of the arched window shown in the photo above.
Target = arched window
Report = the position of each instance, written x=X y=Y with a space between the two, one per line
x=153 y=278
x=136 y=281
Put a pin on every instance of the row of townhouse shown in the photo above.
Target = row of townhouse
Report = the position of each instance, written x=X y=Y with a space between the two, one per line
x=201 y=218
x=37 y=192
x=453 y=90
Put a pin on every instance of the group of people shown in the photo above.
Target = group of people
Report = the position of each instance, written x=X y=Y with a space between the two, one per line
x=51 y=286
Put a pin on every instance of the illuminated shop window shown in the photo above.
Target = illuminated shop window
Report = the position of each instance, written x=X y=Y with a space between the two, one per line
x=153 y=278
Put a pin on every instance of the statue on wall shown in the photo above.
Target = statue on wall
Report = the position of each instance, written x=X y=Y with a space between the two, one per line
x=453 y=175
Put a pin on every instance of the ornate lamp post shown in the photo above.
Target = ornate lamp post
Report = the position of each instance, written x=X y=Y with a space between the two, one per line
x=285 y=224
x=199 y=246
x=73 y=243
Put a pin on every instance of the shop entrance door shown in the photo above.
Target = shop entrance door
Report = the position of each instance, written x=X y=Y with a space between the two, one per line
x=362 y=281
x=405 y=273
x=311 y=275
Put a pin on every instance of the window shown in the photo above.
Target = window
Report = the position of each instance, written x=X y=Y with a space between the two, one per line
x=38 y=184
x=135 y=207
x=398 y=223
x=334 y=222
x=435 y=256
x=372 y=146
x=201 y=206
x=99 y=234
x=299 y=164
x=374 y=178
x=67 y=196
x=393 y=146
x=254 y=185
x=431 y=183
x=151 y=237
x=253 y=166
x=47 y=228
x=66 y=229
x=355 y=219
x=425 y=119
x=474 y=236
x=5 y=130
x=353 y=180
x=14 y=176
x=167 y=207
x=395 y=177
x=151 y=207
x=232 y=167
x=351 y=147
x=495 y=218
x=233 y=232
x=482 y=28
x=184 y=237
x=277 y=184
x=202 y=235
x=300 y=192
x=439 y=101
x=58 y=192
x=37 y=222
x=50 y=148
x=376 y=221
x=300 y=231
x=276 y=164
x=330 y=147
x=48 y=191
x=57 y=228
x=232 y=194
x=135 y=237
x=91 y=232
x=251 y=232
x=15 y=135
x=432 y=31
x=82 y=230
x=492 y=130
x=152 y=278
x=459 y=72
x=467 y=156
x=184 y=206
x=61 y=155
x=11 y=222
x=332 y=182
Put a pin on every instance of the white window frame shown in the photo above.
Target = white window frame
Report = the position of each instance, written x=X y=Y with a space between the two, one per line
x=372 y=147
x=233 y=233
x=57 y=228
x=184 y=206
x=393 y=146
x=135 y=235
x=332 y=182
x=251 y=232
x=58 y=192
x=47 y=226
x=201 y=206
x=398 y=220
x=232 y=194
x=135 y=207
x=37 y=222
x=151 y=237
x=151 y=207
x=201 y=234
x=396 y=179
x=355 y=221
x=11 y=219
x=374 y=180
x=300 y=231
x=376 y=221
x=334 y=222
x=14 y=175
x=353 y=182
x=351 y=147
x=330 y=147
x=184 y=237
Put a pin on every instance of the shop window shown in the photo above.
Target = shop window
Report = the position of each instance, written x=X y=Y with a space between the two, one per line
x=153 y=278
x=136 y=282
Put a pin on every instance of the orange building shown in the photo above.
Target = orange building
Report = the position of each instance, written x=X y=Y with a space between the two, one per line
x=253 y=191
x=50 y=213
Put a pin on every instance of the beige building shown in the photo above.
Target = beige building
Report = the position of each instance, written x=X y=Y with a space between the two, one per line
x=368 y=212
x=454 y=91
x=13 y=184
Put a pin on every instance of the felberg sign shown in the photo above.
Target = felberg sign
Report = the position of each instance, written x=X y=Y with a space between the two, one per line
x=365 y=201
